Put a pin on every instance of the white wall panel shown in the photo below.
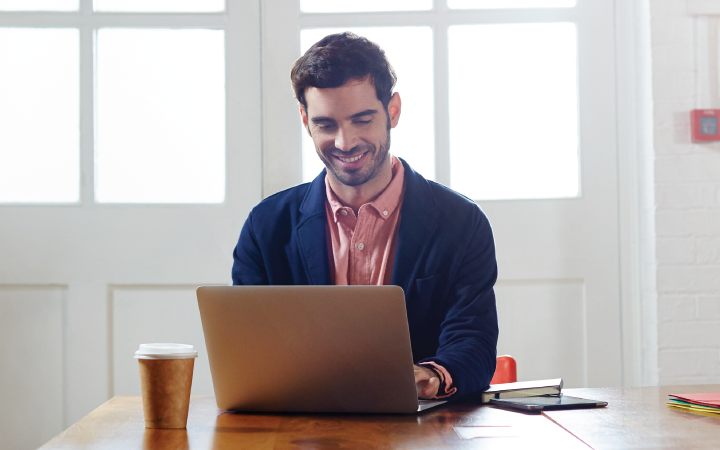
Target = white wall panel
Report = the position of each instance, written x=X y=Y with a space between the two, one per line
x=154 y=314
x=31 y=371
x=542 y=325
x=86 y=349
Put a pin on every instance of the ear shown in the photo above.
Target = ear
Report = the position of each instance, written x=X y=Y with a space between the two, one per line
x=394 y=107
x=303 y=116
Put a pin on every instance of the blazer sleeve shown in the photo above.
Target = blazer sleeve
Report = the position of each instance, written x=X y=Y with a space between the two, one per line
x=248 y=264
x=469 y=332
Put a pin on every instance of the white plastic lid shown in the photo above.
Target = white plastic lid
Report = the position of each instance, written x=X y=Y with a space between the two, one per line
x=166 y=351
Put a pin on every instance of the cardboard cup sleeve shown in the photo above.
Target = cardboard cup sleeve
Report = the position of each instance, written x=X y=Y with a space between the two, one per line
x=166 y=372
x=166 y=387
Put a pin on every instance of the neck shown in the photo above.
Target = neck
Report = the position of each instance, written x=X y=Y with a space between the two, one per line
x=356 y=196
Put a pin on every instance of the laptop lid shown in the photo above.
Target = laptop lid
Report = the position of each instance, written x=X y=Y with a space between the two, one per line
x=309 y=348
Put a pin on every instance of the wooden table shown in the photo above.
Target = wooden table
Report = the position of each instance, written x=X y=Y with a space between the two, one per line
x=637 y=418
x=634 y=418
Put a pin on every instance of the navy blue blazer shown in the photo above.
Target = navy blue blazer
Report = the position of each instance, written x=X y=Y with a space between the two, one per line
x=445 y=263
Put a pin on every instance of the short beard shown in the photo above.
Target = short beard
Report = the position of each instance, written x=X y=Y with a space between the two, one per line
x=349 y=180
x=383 y=151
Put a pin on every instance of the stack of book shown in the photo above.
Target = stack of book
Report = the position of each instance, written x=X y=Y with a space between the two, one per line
x=708 y=403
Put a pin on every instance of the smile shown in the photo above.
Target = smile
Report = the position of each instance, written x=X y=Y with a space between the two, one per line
x=348 y=160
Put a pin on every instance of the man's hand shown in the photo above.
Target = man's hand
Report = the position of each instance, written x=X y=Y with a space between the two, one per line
x=427 y=382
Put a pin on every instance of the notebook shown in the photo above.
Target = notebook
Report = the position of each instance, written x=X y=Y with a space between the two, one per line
x=523 y=389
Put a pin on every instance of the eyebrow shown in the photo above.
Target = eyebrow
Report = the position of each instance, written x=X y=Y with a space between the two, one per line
x=322 y=119
x=367 y=112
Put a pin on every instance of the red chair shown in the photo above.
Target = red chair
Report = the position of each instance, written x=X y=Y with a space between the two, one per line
x=506 y=370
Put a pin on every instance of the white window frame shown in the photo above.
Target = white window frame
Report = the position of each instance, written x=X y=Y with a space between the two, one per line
x=241 y=23
x=281 y=47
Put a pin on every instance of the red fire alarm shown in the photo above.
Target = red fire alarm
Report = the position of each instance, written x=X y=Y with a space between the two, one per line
x=704 y=124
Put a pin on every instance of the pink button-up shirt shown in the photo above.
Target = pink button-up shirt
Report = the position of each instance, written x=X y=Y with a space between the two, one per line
x=363 y=247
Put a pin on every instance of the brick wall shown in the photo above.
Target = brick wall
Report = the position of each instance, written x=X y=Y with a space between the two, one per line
x=687 y=196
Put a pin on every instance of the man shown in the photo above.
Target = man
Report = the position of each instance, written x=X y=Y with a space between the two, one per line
x=368 y=218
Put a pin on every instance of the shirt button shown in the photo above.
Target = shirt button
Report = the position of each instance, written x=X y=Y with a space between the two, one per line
x=385 y=213
x=361 y=246
x=343 y=212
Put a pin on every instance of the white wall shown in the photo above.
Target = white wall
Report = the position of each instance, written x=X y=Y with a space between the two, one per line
x=687 y=192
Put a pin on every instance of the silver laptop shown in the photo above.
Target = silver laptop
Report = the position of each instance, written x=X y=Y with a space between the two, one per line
x=310 y=349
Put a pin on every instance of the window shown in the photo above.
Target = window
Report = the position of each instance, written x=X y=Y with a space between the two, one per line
x=39 y=115
x=334 y=6
x=137 y=100
x=493 y=85
x=160 y=116
x=39 y=5
x=160 y=5
x=505 y=4
x=513 y=135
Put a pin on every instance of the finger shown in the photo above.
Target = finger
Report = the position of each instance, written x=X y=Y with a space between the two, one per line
x=428 y=389
x=420 y=388
x=432 y=387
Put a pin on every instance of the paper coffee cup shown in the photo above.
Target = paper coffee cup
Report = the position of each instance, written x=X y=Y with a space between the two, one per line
x=166 y=378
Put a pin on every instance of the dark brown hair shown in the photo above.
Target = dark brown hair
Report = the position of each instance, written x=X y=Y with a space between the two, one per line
x=338 y=58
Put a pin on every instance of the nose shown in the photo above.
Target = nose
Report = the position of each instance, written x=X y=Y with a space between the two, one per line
x=346 y=139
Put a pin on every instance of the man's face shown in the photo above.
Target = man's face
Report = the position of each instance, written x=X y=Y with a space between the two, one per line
x=350 y=129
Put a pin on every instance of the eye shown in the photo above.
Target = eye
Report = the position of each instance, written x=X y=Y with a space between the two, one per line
x=326 y=127
x=363 y=121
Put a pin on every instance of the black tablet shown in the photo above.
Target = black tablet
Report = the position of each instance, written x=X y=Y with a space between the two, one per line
x=549 y=402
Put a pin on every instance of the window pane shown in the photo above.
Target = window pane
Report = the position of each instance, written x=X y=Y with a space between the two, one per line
x=39 y=5
x=507 y=4
x=331 y=6
x=513 y=111
x=160 y=5
x=39 y=115
x=160 y=116
x=410 y=51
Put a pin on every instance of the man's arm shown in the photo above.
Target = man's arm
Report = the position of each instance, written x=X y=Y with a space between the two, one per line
x=248 y=265
x=468 y=335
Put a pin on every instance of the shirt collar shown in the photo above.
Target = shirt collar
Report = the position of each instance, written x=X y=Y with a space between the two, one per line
x=388 y=200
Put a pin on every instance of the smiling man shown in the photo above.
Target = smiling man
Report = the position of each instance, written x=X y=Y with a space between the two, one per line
x=370 y=219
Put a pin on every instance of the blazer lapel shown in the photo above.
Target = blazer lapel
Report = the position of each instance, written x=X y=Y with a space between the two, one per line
x=418 y=221
x=311 y=233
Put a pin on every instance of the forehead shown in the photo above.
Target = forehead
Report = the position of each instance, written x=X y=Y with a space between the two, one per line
x=346 y=100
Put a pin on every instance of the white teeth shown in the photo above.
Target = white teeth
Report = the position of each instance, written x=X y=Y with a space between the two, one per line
x=351 y=159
